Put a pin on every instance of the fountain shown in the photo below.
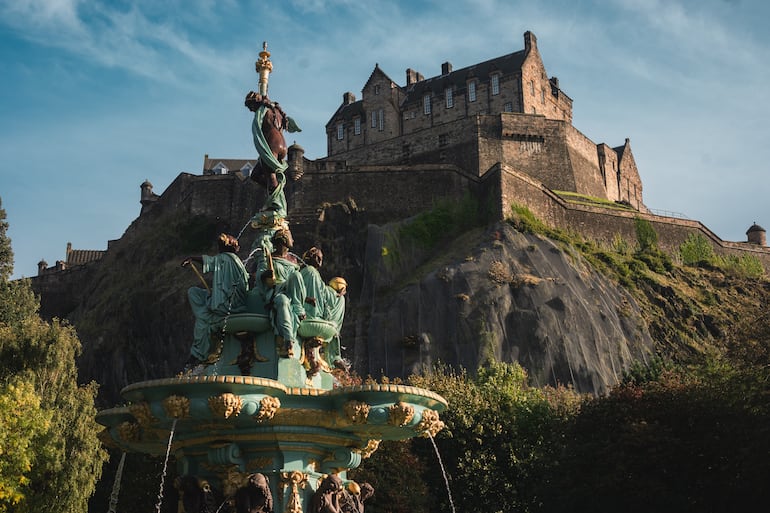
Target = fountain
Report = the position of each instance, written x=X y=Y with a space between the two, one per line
x=260 y=420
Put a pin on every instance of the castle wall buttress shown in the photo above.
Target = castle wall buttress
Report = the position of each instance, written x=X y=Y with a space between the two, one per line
x=585 y=164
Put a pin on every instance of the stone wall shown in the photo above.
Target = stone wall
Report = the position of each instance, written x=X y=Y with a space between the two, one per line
x=601 y=224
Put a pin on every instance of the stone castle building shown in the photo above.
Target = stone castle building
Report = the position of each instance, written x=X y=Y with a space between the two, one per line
x=502 y=110
x=500 y=130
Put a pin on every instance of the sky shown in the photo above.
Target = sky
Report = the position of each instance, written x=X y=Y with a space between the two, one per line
x=98 y=96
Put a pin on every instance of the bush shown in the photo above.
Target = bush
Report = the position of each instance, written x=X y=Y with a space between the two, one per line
x=696 y=250
x=646 y=236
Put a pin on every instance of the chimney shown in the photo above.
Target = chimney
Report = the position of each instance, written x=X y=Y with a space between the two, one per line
x=530 y=41
x=555 y=82
x=446 y=68
x=412 y=77
x=348 y=98
x=420 y=78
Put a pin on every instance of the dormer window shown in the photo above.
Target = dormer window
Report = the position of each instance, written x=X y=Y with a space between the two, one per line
x=495 y=83
x=472 y=91
x=426 y=104
x=246 y=169
x=450 y=101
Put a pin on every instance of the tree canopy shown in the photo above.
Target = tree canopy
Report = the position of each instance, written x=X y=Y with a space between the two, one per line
x=51 y=456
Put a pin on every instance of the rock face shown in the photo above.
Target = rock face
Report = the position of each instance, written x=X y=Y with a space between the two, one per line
x=500 y=294
x=493 y=293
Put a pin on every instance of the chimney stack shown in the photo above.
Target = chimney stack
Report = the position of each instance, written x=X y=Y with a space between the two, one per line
x=348 y=98
x=446 y=68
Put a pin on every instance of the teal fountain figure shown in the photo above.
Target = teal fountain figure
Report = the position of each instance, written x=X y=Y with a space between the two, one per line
x=261 y=419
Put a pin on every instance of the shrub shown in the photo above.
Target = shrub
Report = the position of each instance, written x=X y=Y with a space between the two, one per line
x=696 y=250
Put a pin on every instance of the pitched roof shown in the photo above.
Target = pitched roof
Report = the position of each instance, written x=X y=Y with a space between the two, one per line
x=230 y=164
x=83 y=256
x=458 y=79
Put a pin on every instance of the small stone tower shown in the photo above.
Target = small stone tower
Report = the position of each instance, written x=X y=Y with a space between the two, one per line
x=295 y=156
x=147 y=198
x=756 y=235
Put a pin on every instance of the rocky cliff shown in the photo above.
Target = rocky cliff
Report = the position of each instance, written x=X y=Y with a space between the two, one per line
x=486 y=291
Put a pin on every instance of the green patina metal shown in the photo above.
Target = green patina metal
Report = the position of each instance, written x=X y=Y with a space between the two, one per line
x=252 y=408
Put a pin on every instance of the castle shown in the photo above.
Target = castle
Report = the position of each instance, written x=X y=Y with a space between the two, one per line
x=500 y=130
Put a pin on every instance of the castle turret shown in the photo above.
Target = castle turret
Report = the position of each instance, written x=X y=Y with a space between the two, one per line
x=756 y=235
x=147 y=197
x=295 y=156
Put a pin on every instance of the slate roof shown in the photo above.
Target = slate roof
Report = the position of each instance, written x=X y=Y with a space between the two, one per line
x=230 y=164
x=83 y=256
x=458 y=79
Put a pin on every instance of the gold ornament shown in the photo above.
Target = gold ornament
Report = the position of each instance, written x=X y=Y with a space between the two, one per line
x=368 y=449
x=296 y=480
x=429 y=424
x=400 y=414
x=128 y=431
x=356 y=411
x=225 y=405
x=267 y=408
x=176 y=406
x=142 y=413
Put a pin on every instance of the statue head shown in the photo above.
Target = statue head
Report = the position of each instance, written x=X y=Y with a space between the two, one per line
x=282 y=237
x=227 y=243
x=313 y=257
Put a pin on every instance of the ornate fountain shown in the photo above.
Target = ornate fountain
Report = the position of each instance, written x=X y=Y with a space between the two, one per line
x=261 y=420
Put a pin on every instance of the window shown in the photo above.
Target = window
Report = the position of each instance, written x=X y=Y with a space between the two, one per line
x=426 y=104
x=495 y=84
x=450 y=101
x=374 y=120
x=377 y=89
x=542 y=96
x=357 y=126
x=381 y=126
x=532 y=87
x=471 y=91
x=508 y=107
x=443 y=140
x=340 y=131
x=534 y=110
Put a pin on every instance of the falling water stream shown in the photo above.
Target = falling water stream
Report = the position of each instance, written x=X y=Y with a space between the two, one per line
x=116 y=485
x=165 y=466
x=443 y=472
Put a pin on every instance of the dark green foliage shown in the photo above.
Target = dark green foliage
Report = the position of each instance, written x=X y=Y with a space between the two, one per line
x=67 y=456
x=646 y=236
x=396 y=473
x=696 y=250
x=498 y=433
x=6 y=253
x=687 y=441
x=444 y=221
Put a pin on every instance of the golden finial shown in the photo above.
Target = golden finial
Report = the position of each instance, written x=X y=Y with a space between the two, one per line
x=264 y=67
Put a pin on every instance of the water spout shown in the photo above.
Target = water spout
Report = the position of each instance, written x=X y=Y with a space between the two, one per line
x=165 y=467
x=443 y=471
x=116 y=485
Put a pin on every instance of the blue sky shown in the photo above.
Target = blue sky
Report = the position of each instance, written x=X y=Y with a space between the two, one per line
x=96 y=97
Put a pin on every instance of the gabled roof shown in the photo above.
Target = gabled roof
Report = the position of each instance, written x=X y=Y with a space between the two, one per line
x=378 y=71
x=348 y=111
x=83 y=256
x=230 y=164
x=458 y=79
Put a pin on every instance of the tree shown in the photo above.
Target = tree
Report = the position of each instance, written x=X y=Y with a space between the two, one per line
x=21 y=422
x=37 y=367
